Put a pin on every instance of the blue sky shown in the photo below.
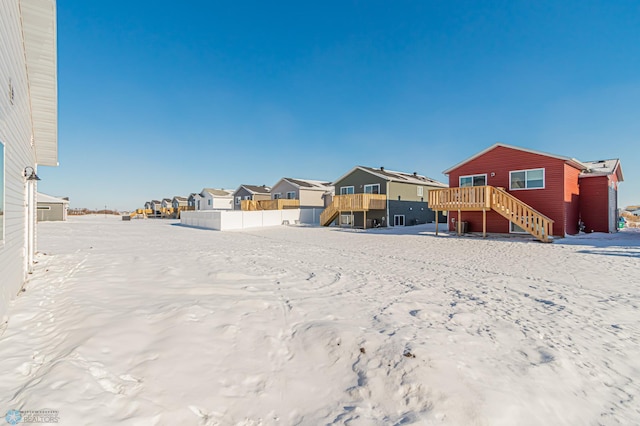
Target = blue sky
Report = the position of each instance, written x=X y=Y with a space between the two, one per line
x=162 y=98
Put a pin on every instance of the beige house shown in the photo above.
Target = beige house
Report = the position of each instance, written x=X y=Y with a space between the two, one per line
x=311 y=193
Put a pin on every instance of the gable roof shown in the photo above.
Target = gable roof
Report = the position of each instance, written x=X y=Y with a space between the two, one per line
x=315 y=185
x=177 y=197
x=571 y=161
x=254 y=189
x=603 y=168
x=217 y=192
x=44 y=198
x=393 y=176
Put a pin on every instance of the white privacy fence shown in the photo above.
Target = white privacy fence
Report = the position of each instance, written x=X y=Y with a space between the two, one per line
x=224 y=220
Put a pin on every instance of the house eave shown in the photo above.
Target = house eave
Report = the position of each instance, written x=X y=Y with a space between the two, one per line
x=38 y=21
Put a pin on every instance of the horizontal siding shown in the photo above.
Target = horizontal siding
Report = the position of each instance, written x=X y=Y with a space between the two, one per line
x=549 y=201
x=571 y=199
x=594 y=203
x=15 y=133
x=358 y=179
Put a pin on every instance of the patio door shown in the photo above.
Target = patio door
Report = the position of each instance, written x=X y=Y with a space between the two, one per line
x=398 y=220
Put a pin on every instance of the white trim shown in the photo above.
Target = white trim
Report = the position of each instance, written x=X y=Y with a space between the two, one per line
x=371 y=185
x=472 y=176
x=353 y=189
x=397 y=216
x=420 y=191
x=544 y=183
x=276 y=195
x=293 y=197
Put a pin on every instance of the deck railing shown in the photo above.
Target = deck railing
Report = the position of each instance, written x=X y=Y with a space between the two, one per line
x=491 y=198
x=352 y=203
x=467 y=198
x=279 y=204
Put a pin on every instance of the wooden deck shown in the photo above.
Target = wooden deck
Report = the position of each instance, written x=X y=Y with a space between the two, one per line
x=279 y=204
x=352 y=203
x=484 y=198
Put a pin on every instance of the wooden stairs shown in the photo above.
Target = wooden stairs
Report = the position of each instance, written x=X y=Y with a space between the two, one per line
x=352 y=203
x=484 y=198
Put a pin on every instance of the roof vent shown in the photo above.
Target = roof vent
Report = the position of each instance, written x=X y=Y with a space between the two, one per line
x=415 y=174
x=382 y=168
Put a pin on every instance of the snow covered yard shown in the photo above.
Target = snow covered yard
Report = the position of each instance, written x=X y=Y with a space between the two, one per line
x=149 y=322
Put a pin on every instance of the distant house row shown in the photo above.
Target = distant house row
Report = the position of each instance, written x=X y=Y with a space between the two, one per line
x=502 y=189
x=362 y=197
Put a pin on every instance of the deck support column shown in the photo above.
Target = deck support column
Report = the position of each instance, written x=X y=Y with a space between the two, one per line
x=365 y=219
x=459 y=223
x=436 y=223
x=484 y=223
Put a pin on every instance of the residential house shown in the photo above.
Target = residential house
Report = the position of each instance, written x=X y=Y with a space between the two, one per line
x=28 y=131
x=216 y=199
x=153 y=207
x=51 y=208
x=166 y=207
x=599 y=195
x=508 y=189
x=310 y=193
x=369 y=197
x=250 y=192
x=178 y=204
x=194 y=201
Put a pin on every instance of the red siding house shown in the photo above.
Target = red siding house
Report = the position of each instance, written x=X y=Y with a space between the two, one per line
x=599 y=195
x=563 y=189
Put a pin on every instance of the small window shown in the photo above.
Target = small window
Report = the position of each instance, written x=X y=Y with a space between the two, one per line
x=345 y=219
x=238 y=200
x=291 y=195
x=345 y=190
x=209 y=201
x=526 y=179
x=277 y=195
x=398 y=220
x=247 y=197
x=473 y=180
x=420 y=190
x=372 y=189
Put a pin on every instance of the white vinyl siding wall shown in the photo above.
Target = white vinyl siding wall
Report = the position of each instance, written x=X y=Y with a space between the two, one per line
x=15 y=133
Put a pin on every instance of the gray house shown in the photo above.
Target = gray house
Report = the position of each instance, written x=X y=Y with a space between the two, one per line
x=194 y=201
x=311 y=193
x=250 y=192
x=369 y=197
x=51 y=208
